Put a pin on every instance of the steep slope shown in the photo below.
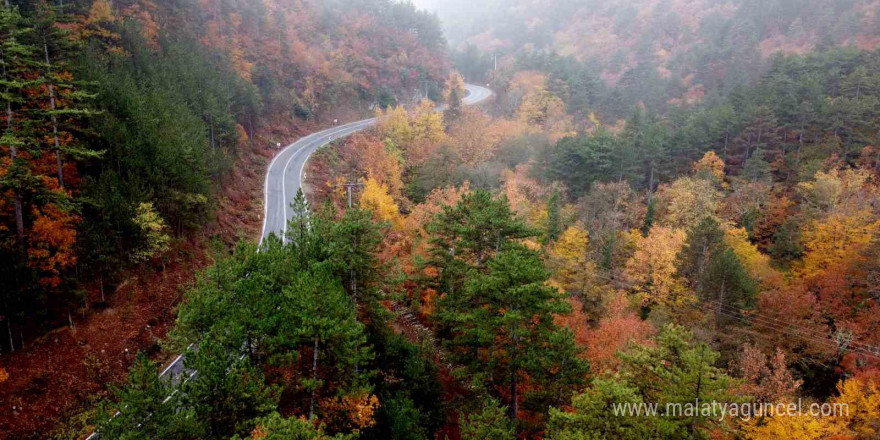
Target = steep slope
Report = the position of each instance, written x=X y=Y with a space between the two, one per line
x=186 y=101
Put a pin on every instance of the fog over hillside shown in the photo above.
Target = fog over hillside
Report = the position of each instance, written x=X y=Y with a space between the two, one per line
x=477 y=220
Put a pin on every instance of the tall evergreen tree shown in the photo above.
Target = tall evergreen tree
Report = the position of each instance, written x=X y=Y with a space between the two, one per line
x=554 y=212
x=453 y=108
x=727 y=283
x=702 y=241
x=67 y=101
x=321 y=316
x=680 y=371
x=469 y=233
x=147 y=409
x=502 y=326
x=14 y=55
x=227 y=393
x=590 y=416
x=489 y=423
x=350 y=245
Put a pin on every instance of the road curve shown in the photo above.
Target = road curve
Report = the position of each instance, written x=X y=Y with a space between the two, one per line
x=283 y=180
x=285 y=173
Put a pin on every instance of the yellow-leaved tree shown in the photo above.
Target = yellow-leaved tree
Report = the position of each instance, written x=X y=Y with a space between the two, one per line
x=375 y=197
x=836 y=191
x=651 y=271
x=152 y=226
x=755 y=262
x=545 y=110
x=859 y=400
x=352 y=411
x=687 y=201
x=854 y=414
x=394 y=125
x=100 y=11
x=842 y=236
x=427 y=123
x=795 y=427
x=575 y=272
x=710 y=166
x=470 y=140
x=454 y=82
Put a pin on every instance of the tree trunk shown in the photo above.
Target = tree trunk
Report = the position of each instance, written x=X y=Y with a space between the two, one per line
x=354 y=292
x=19 y=212
x=13 y=154
x=211 y=115
x=726 y=142
x=19 y=219
x=314 y=378
x=701 y=267
x=797 y=157
x=9 y=331
x=720 y=305
x=693 y=427
x=58 y=161
x=513 y=397
x=514 y=388
x=9 y=323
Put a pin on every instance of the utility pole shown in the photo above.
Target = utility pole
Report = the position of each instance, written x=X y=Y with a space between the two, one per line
x=426 y=87
x=349 y=186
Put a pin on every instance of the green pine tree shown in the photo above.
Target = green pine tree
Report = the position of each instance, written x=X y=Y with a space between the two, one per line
x=727 y=283
x=469 y=233
x=702 y=241
x=146 y=408
x=453 y=108
x=490 y=423
x=554 y=222
x=350 y=245
x=55 y=46
x=677 y=370
x=593 y=415
x=15 y=60
x=317 y=313
x=276 y=427
x=501 y=326
x=227 y=393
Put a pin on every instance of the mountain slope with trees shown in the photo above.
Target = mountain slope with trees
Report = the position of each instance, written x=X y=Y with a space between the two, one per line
x=654 y=52
x=592 y=237
x=135 y=135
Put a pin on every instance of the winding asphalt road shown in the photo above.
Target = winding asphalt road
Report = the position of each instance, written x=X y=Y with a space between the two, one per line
x=285 y=174
x=283 y=180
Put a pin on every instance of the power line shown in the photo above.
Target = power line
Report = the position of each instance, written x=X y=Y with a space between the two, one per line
x=775 y=324
x=792 y=330
x=770 y=321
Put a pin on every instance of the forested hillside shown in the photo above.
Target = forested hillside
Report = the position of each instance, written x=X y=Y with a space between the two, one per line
x=135 y=134
x=735 y=241
x=656 y=52
x=667 y=203
x=477 y=288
